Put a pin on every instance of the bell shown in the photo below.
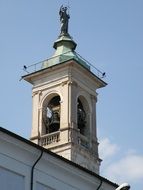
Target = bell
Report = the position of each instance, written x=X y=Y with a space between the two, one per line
x=55 y=122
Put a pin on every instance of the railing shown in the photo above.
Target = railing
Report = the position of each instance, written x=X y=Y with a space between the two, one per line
x=50 y=138
x=83 y=141
x=78 y=138
x=38 y=66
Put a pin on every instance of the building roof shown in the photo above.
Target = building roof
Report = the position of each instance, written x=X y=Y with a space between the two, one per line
x=56 y=156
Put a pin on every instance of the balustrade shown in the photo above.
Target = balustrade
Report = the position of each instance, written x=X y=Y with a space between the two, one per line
x=50 y=138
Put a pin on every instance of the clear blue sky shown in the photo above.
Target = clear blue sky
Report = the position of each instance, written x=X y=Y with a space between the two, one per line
x=109 y=34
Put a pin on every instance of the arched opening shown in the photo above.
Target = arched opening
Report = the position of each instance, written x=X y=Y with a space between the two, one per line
x=83 y=116
x=51 y=115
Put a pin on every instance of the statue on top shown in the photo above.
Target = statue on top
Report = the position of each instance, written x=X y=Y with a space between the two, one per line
x=64 y=19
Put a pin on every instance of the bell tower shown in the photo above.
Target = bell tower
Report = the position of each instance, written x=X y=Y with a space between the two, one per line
x=64 y=102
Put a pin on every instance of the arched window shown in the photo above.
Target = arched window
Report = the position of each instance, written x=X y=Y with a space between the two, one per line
x=83 y=116
x=83 y=121
x=51 y=115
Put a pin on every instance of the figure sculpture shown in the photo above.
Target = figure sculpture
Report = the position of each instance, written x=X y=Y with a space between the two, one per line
x=64 y=19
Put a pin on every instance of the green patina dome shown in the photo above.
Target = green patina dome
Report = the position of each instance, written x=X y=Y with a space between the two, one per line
x=65 y=47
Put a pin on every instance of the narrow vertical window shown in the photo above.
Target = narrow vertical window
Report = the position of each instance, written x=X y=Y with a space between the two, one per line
x=51 y=118
x=83 y=121
x=81 y=117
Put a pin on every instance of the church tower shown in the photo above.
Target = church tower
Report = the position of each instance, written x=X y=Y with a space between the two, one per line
x=64 y=102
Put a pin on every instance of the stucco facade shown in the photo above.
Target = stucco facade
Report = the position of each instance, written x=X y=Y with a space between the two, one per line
x=68 y=80
x=17 y=157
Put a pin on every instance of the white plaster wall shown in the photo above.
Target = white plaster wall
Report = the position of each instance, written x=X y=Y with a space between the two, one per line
x=10 y=180
x=40 y=186
x=17 y=158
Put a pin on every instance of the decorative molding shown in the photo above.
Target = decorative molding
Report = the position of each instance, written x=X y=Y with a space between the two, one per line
x=69 y=82
x=64 y=83
x=34 y=93
x=73 y=83
x=34 y=137
x=93 y=97
x=37 y=92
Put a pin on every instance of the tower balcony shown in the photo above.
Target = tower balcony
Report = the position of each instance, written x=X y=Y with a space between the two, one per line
x=69 y=134
x=50 y=139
